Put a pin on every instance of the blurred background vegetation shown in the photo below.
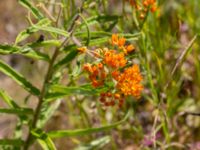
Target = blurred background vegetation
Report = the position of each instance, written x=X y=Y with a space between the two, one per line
x=168 y=111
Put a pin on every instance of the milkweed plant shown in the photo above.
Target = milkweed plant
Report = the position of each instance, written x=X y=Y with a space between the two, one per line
x=102 y=68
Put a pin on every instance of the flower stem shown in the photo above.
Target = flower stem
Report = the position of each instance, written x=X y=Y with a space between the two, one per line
x=48 y=78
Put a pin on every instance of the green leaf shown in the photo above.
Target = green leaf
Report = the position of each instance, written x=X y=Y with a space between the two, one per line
x=97 y=34
x=18 y=78
x=26 y=51
x=34 y=10
x=95 y=144
x=52 y=30
x=81 y=132
x=67 y=59
x=47 y=43
x=93 y=34
x=17 y=111
x=47 y=112
x=95 y=40
x=88 y=30
x=30 y=30
x=97 y=19
x=47 y=144
x=7 y=99
x=61 y=90
x=43 y=139
x=14 y=142
x=29 y=52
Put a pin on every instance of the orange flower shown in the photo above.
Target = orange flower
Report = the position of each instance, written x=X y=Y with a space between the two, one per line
x=109 y=69
x=115 y=74
x=82 y=49
x=100 y=66
x=128 y=49
x=117 y=96
x=114 y=39
x=96 y=73
x=143 y=7
x=153 y=8
x=87 y=67
x=132 y=3
x=129 y=82
x=121 y=42
x=114 y=60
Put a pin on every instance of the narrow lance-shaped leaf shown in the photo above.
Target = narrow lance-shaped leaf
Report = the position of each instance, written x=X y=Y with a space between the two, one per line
x=81 y=132
x=95 y=144
x=34 y=10
x=46 y=113
x=61 y=90
x=88 y=31
x=14 y=142
x=7 y=99
x=52 y=30
x=30 y=30
x=6 y=69
x=96 y=19
x=67 y=59
x=43 y=139
x=26 y=51
x=96 y=34
x=17 y=111
x=47 y=43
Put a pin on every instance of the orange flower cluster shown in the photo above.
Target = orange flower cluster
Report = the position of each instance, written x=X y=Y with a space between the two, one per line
x=97 y=74
x=129 y=81
x=120 y=42
x=111 y=68
x=113 y=59
x=144 y=6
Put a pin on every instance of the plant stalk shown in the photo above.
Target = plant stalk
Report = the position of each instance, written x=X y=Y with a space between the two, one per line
x=48 y=78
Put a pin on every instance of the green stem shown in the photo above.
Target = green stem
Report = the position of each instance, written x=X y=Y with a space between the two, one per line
x=48 y=78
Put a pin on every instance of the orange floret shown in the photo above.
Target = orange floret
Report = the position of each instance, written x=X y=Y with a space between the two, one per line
x=114 y=39
x=87 y=67
x=153 y=8
x=128 y=49
x=129 y=82
x=114 y=60
x=115 y=74
x=121 y=42
x=82 y=49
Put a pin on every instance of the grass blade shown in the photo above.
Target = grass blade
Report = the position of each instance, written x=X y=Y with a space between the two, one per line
x=180 y=59
x=81 y=132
